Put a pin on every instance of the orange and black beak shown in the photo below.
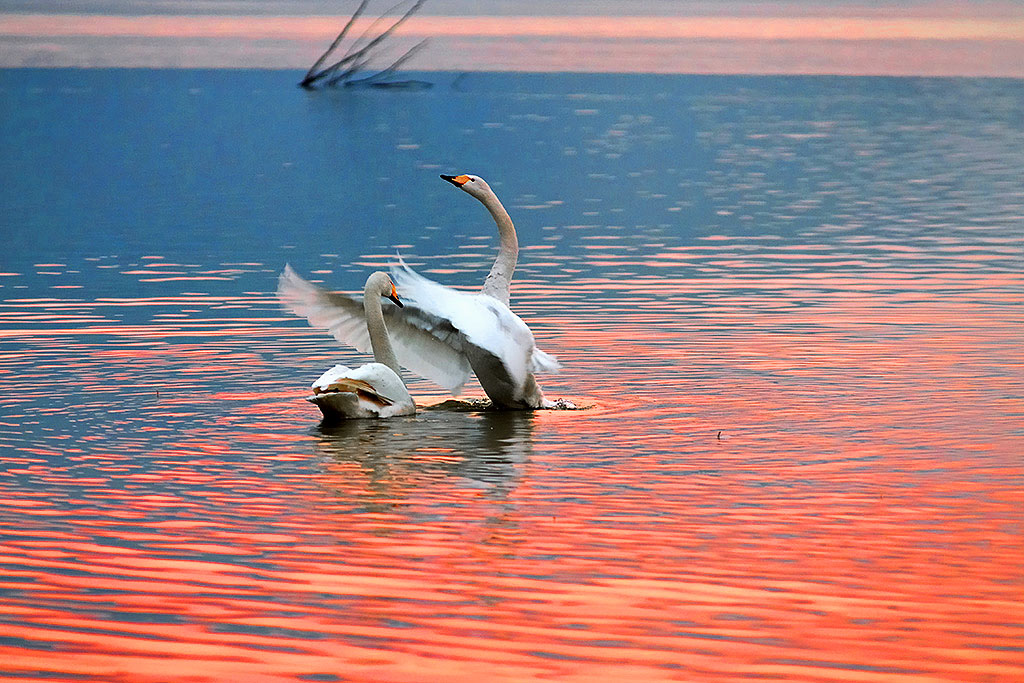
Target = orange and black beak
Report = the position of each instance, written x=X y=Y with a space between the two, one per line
x=394 y=296
x=456 y=180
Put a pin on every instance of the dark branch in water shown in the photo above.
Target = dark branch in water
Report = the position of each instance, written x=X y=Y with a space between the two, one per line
x=361 y=52
x=311 y=74
x=376 y=79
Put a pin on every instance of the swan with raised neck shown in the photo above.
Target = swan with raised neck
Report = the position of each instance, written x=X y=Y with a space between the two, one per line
x=498 y=282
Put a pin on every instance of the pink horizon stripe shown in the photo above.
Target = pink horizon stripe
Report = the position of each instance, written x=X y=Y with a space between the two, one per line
x=649 y=28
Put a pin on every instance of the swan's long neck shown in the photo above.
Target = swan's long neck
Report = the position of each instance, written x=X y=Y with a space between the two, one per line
x=499 y=279
x=380 y=342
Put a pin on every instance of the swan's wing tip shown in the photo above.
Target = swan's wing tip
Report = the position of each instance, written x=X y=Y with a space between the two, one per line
x=400 y=268
x=289 y=277
x=293 y=290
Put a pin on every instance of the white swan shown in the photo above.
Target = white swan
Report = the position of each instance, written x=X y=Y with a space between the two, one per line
x=371 y=390
x=440 y=334
x=500 y=278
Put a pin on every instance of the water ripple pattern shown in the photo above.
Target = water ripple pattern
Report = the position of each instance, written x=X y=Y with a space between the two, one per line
x=794 y=305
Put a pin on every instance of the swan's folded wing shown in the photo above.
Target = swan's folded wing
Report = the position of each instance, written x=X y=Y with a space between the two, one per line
x=424 y=344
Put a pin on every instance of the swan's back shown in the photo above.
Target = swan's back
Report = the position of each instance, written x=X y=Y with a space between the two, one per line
x=371 y=390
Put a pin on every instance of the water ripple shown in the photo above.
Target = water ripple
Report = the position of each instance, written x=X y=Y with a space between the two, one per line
x=801 y=341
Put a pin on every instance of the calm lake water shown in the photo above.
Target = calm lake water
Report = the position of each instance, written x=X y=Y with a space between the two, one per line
x=794 y=305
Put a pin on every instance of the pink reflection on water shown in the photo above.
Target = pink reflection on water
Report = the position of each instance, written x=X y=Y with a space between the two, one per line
x=925 y=40
x=803 y=475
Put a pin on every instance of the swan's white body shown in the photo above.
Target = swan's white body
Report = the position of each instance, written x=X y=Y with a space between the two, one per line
x=371 y=390
x=497 y=343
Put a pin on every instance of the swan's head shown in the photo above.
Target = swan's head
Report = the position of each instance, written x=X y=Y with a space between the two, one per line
x=470 y=184
x=380 y=283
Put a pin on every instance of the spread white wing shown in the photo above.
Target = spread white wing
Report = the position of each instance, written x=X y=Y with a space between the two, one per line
x=424 y=343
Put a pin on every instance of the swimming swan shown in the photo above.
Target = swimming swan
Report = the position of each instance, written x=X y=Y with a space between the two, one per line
x=442 y=334
x=499 y=279
x=371 y=390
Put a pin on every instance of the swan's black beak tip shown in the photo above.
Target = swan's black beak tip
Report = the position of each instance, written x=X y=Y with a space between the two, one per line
x=449 y=178
x=397 y=301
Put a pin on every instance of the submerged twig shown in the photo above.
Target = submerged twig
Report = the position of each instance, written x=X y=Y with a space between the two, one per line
x=362 y=51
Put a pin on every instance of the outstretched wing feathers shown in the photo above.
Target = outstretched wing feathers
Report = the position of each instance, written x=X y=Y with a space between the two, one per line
x=425 y=344
x=428 y=346
x=339 y=314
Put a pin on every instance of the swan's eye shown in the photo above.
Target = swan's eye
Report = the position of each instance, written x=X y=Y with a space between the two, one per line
x=472 y=180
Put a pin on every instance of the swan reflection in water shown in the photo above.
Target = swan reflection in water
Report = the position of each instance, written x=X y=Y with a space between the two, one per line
x=486 y=449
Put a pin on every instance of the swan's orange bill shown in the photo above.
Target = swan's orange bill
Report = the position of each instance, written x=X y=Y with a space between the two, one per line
x=394 y=296
x=457 y=180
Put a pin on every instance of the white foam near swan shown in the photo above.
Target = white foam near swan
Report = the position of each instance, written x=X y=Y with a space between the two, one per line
x=374 y=389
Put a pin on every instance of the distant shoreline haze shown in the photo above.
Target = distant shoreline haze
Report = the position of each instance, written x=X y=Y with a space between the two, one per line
x=873 y=42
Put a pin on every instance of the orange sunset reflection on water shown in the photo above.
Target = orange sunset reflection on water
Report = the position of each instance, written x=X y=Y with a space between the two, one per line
x=857 y=518
x=792 y=310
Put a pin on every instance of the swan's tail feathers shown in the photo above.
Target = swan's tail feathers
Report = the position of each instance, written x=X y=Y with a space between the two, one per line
x=339 y=314
x=543 y=362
